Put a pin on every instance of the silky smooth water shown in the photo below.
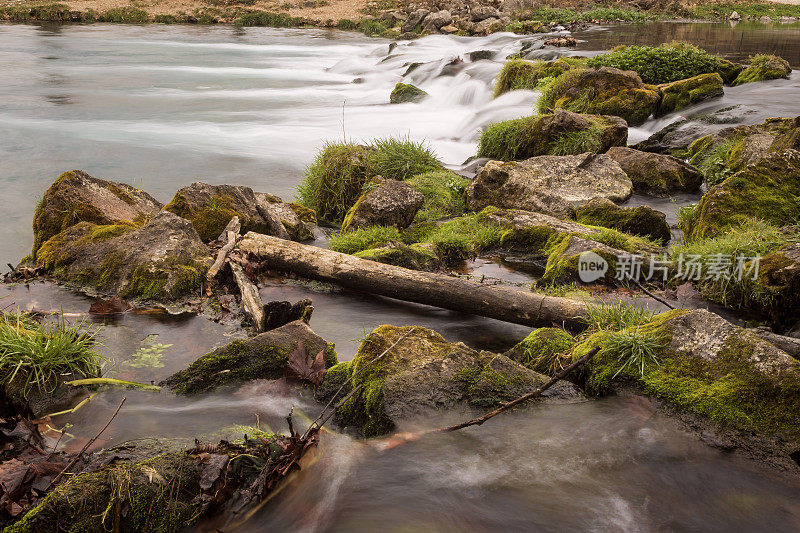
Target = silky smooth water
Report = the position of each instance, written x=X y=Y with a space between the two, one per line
x=163 y=106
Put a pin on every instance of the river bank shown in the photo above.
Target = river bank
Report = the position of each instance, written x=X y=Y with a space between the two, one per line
x=400 y=19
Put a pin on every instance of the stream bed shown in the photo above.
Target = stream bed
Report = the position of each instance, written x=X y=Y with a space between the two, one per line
x=160 y=107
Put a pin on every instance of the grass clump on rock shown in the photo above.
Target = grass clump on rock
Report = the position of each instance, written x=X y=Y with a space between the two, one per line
x=659 y=64
x=37 y=357
x=520 y=74
x=444 y=194
x=335 y=180
x=350 y=242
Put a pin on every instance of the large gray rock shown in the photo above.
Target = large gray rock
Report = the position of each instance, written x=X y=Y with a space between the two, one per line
x=480 y=12
x=391 y=203
x=162 y=260
x=424 y=372
x=549 y=184
x=656 y=174
x=264 y=356
x=434 y=21
x=78 y=197
x=210 y=207
x=414 y=19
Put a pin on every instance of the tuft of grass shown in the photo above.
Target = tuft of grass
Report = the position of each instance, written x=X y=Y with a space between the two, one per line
x=659 y=64
x=749 y=239
x=400 y=158
x=553 y=89
x=635 y=348
x=444 y=194
x=562 y=15
x=42 y=354
x=333 y=182
x=464 y=237
x=269 y=19
x=125 y=15
x=577 y=142
x=351 y=242
x=617 y=316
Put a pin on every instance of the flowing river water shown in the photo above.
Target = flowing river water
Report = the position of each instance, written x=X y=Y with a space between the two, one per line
x=163 y=106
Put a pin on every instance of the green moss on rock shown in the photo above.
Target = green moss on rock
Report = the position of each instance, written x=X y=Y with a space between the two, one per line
x=684 y=93
x=767 y=190
x=520 y=74
x=559 y=133
x=764 y=67
x=405 y=93
x=541 y=349
x=264 y=356
x=643 y=220
x=711 y=368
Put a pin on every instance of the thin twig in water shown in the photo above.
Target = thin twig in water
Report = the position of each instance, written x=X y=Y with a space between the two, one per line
x=86 y=446
x=650 y=294
x=348 y=380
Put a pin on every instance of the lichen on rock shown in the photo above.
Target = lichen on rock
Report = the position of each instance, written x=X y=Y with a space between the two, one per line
x=162 y=260
x=656 y=174
x=264 y=356
x=78 y=197
x=388 y=203
x=423 y=372
x=549 y=184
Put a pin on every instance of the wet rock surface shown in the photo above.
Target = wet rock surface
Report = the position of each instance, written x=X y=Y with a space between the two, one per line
x=656 y=174
x=549 y=184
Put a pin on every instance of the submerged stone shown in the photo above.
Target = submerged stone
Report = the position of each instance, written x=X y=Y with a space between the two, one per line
x=264 y=356
x=423 y=372
x=549 y=184
x=656 y=174
x=78 y=197
x=163 y=260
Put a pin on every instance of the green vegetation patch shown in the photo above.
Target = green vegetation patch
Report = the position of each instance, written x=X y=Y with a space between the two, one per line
x=764 y=67
x=659 y=64
x=520 y=74
x=444 y=194
x=125 y=15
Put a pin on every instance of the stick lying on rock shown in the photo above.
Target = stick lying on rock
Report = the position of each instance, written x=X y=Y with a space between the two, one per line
x=510 y=305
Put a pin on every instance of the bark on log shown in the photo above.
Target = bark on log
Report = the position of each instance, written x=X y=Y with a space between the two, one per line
x=252 y=305
x=509 y=305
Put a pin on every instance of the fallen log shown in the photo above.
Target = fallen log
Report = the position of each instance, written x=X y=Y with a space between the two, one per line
x=252 y=304
x=439 y=290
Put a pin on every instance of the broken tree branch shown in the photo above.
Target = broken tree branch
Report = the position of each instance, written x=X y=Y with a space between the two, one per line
x=86 y=446
x=252 y=304
x=503 y=303
x=230 y=234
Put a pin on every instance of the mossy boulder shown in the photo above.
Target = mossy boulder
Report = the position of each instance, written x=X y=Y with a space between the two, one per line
x=78 y=197
x=549 y=184
x=405 y=92
x=210 y=207
x=709 y=367
x=656 y=174
x=779 y=277
x=764 y=67
x=521 y=74
x=389 y=203
x=424 y=372
x=727 y=151
x=558 y=133
x=642 y=220
x=264 y=356
x=541 y=349
x=162 y=260
x=728 y=70
x=602 y=91
x=767 y=190
x=683 y=93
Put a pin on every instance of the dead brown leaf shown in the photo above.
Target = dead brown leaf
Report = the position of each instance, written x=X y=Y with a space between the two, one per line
x=303 y=367
x=113 y=306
